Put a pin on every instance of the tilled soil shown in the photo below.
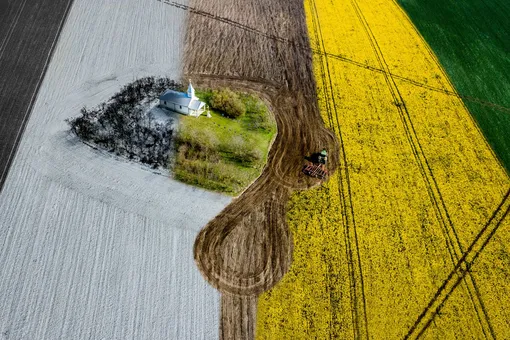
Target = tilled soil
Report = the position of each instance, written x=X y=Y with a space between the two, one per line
x=256 y=46
x=24 y=28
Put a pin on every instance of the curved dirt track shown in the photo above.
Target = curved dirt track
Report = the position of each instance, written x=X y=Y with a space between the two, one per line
x=248 y=247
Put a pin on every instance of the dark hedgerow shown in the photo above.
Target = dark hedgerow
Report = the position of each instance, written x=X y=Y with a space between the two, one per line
x=121 y=126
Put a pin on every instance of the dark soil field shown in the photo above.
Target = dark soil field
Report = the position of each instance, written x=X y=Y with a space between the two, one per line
x=472 y=41
x=28 y=34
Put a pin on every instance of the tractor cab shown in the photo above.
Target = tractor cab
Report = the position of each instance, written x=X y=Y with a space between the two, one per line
x=323 y=157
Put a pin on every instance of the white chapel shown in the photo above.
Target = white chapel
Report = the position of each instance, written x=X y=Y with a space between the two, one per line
x=185 y=103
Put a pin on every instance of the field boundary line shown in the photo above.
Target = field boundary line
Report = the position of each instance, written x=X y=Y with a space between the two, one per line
x=455 y=92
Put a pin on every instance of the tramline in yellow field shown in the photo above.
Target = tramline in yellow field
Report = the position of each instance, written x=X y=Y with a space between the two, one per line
x=417 y=183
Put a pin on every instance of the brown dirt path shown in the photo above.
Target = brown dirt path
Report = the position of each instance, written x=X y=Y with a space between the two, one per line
x=247 y=248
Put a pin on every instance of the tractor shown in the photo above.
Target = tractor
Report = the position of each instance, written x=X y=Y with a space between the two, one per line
x=316 y=166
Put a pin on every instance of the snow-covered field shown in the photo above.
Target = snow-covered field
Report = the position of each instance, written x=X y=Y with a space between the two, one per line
x=93 y=247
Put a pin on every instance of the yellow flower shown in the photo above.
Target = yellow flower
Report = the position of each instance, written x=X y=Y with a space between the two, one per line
x=371 y=251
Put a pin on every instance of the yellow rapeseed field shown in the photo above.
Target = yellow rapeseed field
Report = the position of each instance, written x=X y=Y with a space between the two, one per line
x=417 y=183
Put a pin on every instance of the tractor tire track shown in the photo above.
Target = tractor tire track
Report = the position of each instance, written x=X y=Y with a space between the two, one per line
x=7 y=36
x=357 y=289
x=352 y=279
x=461 y=270
x=454 y=93
x=454 y=245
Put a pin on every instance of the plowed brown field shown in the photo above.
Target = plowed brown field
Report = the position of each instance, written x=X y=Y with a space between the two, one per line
x=247 y=248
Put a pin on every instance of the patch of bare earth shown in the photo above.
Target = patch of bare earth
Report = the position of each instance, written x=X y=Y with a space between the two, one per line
x=259 y=46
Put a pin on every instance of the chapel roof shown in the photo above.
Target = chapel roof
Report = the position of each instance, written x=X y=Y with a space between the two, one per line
x=179 y=98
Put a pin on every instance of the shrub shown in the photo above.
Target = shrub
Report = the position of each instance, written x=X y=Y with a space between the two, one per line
x=257 y=113
x=243 y=151
x=227 y=102
x=213 y=176
x=192 y=144
x=120 y=125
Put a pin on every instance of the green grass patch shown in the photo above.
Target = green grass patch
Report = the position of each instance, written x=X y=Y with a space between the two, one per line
x=471 y=38
x=224 y=154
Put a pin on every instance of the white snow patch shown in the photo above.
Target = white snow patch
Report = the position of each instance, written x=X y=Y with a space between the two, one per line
x=92 y=247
